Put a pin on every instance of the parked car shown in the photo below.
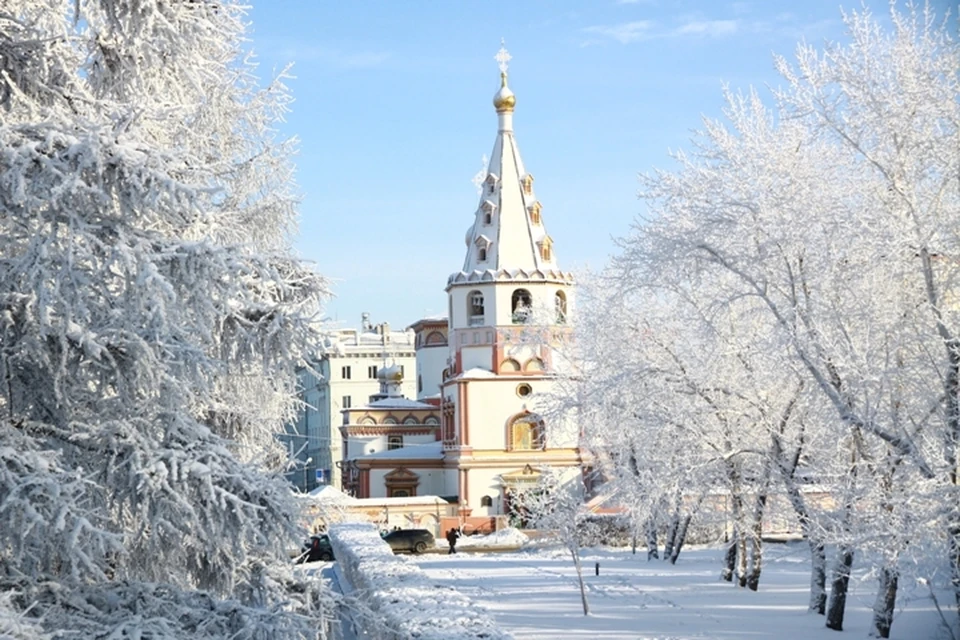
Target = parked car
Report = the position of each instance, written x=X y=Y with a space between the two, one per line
x=409 y=540
x=316 y=548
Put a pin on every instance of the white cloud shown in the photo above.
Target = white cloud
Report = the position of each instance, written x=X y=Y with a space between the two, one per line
x=335 y=59
x=625 y=32
x=628 y=32
x=711 y=28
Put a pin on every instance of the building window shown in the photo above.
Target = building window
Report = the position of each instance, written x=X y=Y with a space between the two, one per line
x=526 y=432
x=528 y=184
x=486 y=501
x=560 y=302
x=372 y=371
x=509 y=366
x=401 y=370
x=534 y=364
x=520 y=306
x=394 y=442
x=345 y=402
x=487 y=217
x=534 y=210
x=475 y=308
x=546 y=252
x=524 y=390
x=419 y=384
x=345 y=373
x=482 y=255
x=399 y=493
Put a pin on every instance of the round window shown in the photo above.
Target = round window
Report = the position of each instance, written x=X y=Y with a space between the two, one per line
x=524 y=390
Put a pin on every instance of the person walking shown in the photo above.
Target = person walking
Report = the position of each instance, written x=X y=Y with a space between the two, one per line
x=452 y=536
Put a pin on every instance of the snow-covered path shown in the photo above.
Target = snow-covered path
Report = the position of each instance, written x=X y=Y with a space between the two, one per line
x=534 y=594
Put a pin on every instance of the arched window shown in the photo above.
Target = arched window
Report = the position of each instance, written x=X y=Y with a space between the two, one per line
x=487 y=217
x=521 y=306
x=475 y=308
x=525 y=432
x=435 y=338
x=533 y=364
x=560 y=303
x=486 y=501
x=509 y=365
x=482 y=254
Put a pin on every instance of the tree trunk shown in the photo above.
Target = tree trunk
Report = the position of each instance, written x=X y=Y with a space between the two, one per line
x=886 y=601
x=756 y=562
x=583 y=589
x=818 y=576
x=954 y=534
x=681 y=538
x=756 y=537
x=652 y=540
x=671 y=536
x=742 y=561
x=838 y=589
x=730 y=560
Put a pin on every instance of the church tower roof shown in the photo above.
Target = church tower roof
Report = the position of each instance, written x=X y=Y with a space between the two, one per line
x=507 y=235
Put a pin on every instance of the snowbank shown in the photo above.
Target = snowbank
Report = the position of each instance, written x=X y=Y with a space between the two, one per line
x=406 y=602
x=502 y=538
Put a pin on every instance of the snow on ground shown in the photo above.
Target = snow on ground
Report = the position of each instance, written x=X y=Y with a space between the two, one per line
x=533 y=594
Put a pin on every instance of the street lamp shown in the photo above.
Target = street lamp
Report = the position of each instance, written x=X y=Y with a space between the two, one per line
x=306 y=464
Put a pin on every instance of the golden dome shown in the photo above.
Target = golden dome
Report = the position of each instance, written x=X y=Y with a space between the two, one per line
x=504 y=100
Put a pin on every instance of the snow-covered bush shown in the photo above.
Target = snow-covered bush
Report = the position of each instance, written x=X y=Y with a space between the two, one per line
x=403 y=600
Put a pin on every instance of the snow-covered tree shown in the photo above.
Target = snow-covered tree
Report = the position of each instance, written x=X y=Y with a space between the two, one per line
x=150 y=320
x=556 y=505
x=834 y=215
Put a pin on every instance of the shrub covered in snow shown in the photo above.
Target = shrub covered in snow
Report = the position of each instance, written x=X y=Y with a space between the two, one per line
x=406 y=603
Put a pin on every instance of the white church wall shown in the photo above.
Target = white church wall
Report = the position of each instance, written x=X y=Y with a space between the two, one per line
x=431 y=361
x=431 y=482
x=485 y=482
x=520 y=352
x=476 y=357
x=490 y=404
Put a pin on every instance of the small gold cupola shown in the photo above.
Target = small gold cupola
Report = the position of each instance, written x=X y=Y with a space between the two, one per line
x=504 y=100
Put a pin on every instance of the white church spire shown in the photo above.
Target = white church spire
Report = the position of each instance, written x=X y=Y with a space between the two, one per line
x=508 y=232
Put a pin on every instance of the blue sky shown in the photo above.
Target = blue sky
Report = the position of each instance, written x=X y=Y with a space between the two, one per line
x=393 y=112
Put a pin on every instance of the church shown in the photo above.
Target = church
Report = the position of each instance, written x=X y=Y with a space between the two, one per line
x=494 y=360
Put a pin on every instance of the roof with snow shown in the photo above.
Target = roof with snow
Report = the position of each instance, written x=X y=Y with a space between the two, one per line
x=475 y=373
x=394 y=403
x=400 y=501
x=329 y=492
